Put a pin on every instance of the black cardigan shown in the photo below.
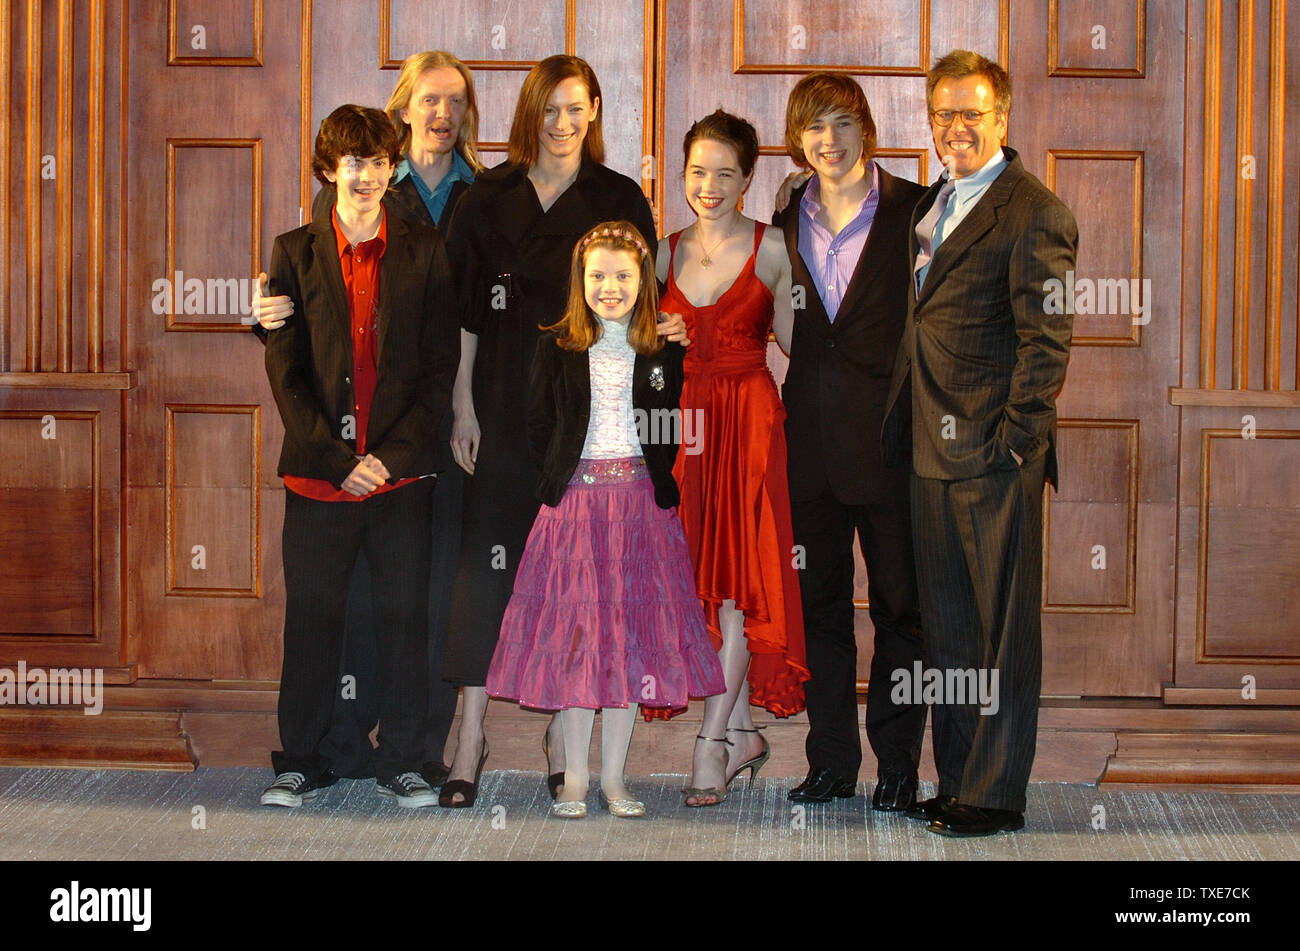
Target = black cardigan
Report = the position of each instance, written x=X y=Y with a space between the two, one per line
x=559 y=408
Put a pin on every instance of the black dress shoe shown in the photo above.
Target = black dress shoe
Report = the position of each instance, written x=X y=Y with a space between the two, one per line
x=435 y=774
x=929 y=809
x=895 y=792
x=823 y=785
x=966 y=821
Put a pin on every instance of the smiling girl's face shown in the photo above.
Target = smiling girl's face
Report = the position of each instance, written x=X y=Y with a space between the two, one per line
x=612 y=279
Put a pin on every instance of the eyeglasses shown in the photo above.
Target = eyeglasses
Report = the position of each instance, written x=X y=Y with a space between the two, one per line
x=944 y=117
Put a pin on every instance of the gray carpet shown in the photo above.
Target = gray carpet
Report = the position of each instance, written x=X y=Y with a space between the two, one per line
x=112 y=814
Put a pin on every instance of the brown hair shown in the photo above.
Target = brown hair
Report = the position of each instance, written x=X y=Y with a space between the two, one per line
x=415 y=66
x=720 y=126
x=578 y=329
x=353 y=130
x=817 y=94
x=525 y=130
x=959 y=64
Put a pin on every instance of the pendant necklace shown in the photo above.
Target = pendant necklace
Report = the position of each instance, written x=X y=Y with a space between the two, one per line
x=706 y=260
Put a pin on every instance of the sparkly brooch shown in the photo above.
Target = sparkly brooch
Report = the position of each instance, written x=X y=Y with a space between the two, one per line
x=588 y=478
x=657 y=377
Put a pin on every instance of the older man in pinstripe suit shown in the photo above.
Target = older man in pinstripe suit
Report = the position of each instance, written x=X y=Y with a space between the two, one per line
x=985 y=356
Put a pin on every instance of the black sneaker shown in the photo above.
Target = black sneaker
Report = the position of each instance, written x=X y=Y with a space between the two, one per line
x=290 y=789
x=409 y=789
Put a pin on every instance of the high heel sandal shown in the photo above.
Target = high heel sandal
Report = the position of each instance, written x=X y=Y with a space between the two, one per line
x=446 y=797
x=719 y=795
x=754 y=763
x=553 y=780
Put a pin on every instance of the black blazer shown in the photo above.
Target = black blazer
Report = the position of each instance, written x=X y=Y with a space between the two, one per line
x=309 y=360
x=559 y=407
x=980 y=346
x=838 y=378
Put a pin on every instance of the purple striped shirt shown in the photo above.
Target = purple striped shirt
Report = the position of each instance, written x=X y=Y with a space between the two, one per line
x=832 y=259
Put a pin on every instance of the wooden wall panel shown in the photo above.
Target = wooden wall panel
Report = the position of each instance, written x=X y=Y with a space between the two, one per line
x=794 y=36
x=48 y=525
x=1097 y=38
x=485 y=34
x=1110 y=184
x=214 y=33
x=213 y=494
x=215 y=250
x=1250 y=547
x=1099 y=512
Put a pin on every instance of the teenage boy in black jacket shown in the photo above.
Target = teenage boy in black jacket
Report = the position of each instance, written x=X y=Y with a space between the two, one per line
x=361 y=377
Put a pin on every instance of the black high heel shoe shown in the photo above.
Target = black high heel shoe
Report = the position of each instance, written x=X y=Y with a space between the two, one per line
x=553 y=780
x=754 y=763
x=446 y=797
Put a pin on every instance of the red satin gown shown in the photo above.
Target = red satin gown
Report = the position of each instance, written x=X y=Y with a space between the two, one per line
x=735 y=493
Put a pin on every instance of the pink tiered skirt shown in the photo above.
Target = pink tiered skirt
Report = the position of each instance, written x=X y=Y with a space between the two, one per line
x=604 y=611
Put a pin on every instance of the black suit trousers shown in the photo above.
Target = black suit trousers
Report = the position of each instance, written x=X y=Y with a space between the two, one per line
x=347 y=746
x=825 y=527
x=979 y=545
x=321 y=543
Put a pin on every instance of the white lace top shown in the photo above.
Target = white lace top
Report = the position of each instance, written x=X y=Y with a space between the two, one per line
x=611 y=428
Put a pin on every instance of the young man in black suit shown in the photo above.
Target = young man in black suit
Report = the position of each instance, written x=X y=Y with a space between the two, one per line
x=982 y=360
x=846 y=232
x=362 y=376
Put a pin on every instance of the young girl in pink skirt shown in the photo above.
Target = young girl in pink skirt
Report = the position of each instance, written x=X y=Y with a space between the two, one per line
x=604 y=613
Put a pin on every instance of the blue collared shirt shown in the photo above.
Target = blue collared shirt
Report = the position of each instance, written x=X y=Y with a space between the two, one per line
x=966 y=193
x=435 y=199
x=832 y=259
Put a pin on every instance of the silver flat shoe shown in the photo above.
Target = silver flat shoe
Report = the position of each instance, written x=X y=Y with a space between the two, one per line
x=622 y=808
x=569 y=810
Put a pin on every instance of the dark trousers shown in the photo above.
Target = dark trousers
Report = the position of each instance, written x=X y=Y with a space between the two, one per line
x=979 y=545
x=825 y=528
x=321 y=542
x=347 y=745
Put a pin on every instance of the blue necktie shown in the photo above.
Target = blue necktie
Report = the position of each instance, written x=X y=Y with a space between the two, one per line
x=925 y=232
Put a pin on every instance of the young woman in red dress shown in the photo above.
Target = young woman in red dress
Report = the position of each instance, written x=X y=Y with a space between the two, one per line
x=729 y=277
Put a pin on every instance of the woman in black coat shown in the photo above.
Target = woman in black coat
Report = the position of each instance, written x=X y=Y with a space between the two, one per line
x=510 y=244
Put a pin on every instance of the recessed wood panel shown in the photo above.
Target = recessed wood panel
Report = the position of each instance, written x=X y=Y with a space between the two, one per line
x=48 y=523
x=214 y=33
x=212 y=500
x=1111 y=300
x=484 y=34
x=1097 y=38
x=214 y=234
x=1090 y=527
x=1249 y=547
x=885 y=37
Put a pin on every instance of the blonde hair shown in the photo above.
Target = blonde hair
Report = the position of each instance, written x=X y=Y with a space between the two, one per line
x=415 y=66
x=578 y=329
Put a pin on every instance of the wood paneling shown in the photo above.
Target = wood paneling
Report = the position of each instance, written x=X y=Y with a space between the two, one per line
x=1097 y=39
x=1099 y=513
x=213 y=500
x=1249 y=547
x=485 y=34
x=214 y=33
x=221 y=251
x=796 y=36
x=48 y=523
x=1110 y=241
